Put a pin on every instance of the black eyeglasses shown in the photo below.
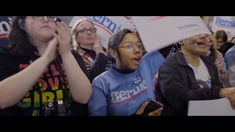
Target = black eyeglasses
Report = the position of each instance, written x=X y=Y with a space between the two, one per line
x=40 y=18
x=85 y=30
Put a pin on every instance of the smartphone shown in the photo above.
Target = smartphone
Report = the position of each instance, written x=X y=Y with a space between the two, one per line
x=151 y=106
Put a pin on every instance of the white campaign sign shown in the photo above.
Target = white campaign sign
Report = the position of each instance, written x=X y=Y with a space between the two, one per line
x=107 y=25
x=160 y=31
x=215 y=107
x=224 y=23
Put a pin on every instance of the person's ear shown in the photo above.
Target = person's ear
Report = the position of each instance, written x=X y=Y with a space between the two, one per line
x=113 y=53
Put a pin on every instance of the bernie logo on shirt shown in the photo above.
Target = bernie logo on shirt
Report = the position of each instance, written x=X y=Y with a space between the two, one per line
x=125 y=95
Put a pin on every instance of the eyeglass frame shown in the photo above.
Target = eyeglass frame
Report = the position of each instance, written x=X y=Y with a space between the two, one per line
x=40 y=18
x=138 y=44
x=85 y=30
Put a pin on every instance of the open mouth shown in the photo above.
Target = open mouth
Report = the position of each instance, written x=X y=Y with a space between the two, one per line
x=136 y=60
x=201 y=44
x=204 y=47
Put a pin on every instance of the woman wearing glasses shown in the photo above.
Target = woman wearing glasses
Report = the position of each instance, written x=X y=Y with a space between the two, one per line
x=39 y=74
x=126 y=88
x=88 y=44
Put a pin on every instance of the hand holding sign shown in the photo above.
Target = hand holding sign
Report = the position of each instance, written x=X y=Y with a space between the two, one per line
x=160 y=31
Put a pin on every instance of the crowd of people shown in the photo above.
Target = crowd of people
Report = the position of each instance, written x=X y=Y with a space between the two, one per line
x=50 y=69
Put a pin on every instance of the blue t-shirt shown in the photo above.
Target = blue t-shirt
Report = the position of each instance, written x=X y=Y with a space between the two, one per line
x=120 y=94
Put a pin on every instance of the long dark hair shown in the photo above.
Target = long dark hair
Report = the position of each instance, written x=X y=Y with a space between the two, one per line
x=221 y=34
x=20 y=45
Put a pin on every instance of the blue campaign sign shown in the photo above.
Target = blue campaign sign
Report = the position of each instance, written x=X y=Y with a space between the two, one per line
x=4 y=30
x=226 y=23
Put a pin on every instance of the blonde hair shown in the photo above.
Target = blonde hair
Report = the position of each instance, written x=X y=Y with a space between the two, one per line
x=74 y=31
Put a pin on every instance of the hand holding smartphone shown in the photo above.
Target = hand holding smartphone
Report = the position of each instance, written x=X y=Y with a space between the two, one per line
x=152 y=106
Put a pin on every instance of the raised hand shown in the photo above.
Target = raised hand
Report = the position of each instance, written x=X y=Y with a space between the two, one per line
x=98 y=47
x=51 y=50
x=219 y=65
x=64 y=37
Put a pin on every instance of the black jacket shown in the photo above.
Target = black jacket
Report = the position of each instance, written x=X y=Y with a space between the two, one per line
x=178 y=84
x=99 y=66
